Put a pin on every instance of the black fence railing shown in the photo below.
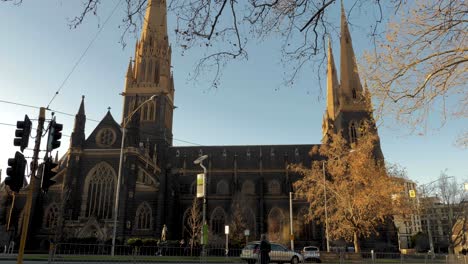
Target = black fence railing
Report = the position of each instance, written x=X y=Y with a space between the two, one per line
x=85 y=253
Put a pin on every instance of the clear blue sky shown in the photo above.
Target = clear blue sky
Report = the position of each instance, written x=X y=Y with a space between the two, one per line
x=38 y=50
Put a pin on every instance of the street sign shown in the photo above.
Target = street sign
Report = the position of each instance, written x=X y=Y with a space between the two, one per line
x=412 y=193
x=204 y=238
x=200 y=185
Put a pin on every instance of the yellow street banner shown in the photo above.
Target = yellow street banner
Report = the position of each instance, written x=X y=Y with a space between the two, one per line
x=200 y=185
x=412 y=193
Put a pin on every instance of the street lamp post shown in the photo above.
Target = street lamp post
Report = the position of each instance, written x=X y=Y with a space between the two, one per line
x=226 y=231
x=291 y=221
x=200 y=162
x=119 y=176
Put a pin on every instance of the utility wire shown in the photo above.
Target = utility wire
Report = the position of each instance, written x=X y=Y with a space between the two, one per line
x=32 y=129
x=180 y=140
x=37 y=107
x=14 y=103
x=5 y=124
x=83 y=54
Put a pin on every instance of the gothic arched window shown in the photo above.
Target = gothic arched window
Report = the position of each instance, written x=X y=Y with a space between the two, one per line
x=352 y=132
x=274 y=187
x=218 y=219
x=143 y=219
x=100 y=191
x=51 y=216
x=222 y=188
x=249 y=217
x=248 y=187
x=276 y=223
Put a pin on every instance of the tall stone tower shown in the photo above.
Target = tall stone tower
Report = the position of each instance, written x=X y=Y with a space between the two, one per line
x=150 y=127
x=147 y=75
x=348 y=104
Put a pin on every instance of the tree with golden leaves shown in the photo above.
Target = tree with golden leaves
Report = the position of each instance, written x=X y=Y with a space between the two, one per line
x=419 y=70
x=360 y=194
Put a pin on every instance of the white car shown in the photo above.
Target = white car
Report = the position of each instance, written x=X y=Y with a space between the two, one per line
x=311 y=254
x=278 y=254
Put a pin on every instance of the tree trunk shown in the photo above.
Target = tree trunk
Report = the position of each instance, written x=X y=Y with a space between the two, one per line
x=357 y=249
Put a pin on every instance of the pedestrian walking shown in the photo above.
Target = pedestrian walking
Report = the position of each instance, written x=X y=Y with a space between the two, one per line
x=265 y=248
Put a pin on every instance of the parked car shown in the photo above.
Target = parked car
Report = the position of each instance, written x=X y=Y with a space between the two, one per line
x=278 y=254
x=311 y=254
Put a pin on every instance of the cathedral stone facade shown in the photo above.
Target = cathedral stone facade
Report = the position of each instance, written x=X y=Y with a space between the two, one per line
x=159 y=180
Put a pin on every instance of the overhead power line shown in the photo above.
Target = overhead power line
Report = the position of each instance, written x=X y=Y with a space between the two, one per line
x=83 y=54
x=37 y=107
x=14 y=103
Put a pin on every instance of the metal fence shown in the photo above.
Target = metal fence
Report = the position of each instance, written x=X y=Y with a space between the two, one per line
x=89 y=253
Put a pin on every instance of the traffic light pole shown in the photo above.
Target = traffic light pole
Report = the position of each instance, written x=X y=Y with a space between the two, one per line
x=27 y=208
x=11 y=212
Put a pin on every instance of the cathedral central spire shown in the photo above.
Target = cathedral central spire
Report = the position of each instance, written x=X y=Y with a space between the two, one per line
x=150 y=73
x=351 y=88
x=155 y=23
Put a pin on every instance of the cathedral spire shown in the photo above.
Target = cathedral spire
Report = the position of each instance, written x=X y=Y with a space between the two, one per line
x=332 y=85
x=78 y=135
x=151 y=68
x=130 y=69
x=155 y=23
x=351 y=88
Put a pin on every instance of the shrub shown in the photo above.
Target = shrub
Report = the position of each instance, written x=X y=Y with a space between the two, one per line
x=135 y=241
x=150 y=242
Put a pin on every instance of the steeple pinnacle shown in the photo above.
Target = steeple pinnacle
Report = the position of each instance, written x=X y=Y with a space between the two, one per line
x=81 y=110
x=130 y=69
x=155 y=23
x=351 y=88
x=78 y=135
x=332 y=84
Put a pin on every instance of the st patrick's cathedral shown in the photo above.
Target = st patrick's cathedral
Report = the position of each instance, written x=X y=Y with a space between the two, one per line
x=158 y=183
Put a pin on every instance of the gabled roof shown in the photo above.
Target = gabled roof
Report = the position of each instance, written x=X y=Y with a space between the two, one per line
x=107 y=122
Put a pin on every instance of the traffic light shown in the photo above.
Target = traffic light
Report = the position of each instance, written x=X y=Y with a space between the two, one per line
x=15 y=172
x=22 y=133
x=55 y=134
x=48 y=174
